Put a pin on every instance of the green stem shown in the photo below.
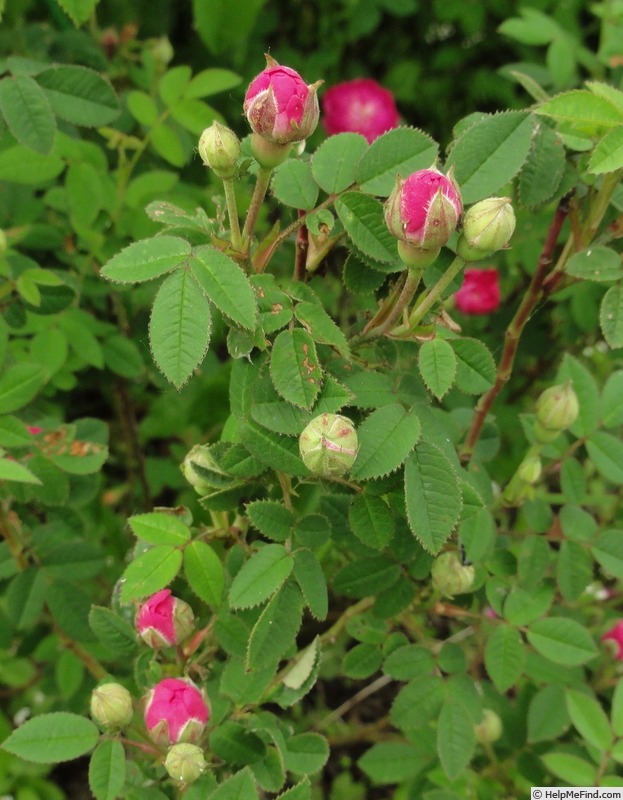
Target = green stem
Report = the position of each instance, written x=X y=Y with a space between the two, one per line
x=390 y=311
x=435 y=294
x=261 y=187
x=232 y=212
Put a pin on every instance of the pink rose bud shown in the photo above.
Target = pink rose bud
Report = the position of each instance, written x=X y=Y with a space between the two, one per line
x=480 y=292
x=615 y=635
x=175 y=711
x=34 y=430
x=280 y=106
x=164 y=620
x=361 y=106
x=424 y=209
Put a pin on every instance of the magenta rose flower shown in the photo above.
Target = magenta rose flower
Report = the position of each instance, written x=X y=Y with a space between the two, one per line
x=164 y=620
x=480 y=292
x=615 y=635
x=424 y=209
x=361 y=106
x=175 y=711
x=280 y=106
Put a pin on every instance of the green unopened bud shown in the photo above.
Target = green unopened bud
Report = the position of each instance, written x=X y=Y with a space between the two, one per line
x=111 y=705
x=557 y=408
x=219 y=149
x=487 y=228
x=185 y=763
x=530 y=469
x=489 y=729
x=329 y=446
x=450 y=576
x=416 y=257
x=162 y=51
x=202 y=471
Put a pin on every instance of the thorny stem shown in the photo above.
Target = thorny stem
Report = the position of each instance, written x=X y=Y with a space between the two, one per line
x=515 y=329
x=302 y=247
x=232 y=212
x=261 y=187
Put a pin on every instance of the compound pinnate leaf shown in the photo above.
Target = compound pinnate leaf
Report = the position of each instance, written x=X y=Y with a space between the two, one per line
x=398 y=152
x=179 y=327
x=79 y=95
x=386 y=438
x=563 y=641
x=204 y=572
x=27 y=112
x=150 y=572
x=437 y=363
x=490 y=153
x=225 y=284
x=147 y=259
x=52 y=738
x=107 y=770
x=295 y=369
x=433 y=496
x=261 y=576
x=334 y=164
x=504 y=657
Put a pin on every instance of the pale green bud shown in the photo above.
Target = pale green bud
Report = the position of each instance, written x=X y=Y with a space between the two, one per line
x=487 y=228
x=450 y=576
x=185 y=763
x=202 y=471
x=219 y=149
x=557 y=408
x=111 y=705
x=489 y=729
x=329 y=446
x=530 y=469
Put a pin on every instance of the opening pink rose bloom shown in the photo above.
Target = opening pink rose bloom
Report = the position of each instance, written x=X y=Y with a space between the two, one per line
x=424 y=209
x=615 y=635
x=480 y=292
x=280 y=106
x=175 y=712
x=360 y=106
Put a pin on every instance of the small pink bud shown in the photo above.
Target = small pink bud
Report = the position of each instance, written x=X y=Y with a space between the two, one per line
x=164 y=620
x=175 y=711
x=280 y=106
x=34 y=430
x=480 y=292
x=361 y=106
x=615 y=635
x=424 y=209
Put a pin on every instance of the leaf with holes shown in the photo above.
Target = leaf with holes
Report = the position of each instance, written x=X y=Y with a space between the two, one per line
x=179 y=327
x=295 y=369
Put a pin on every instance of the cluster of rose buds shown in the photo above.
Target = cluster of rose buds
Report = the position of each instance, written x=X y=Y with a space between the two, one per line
x=175 y=711
x=359 y=106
